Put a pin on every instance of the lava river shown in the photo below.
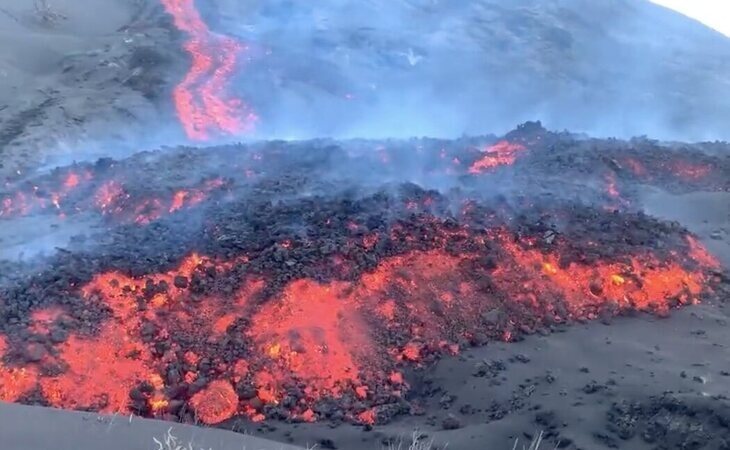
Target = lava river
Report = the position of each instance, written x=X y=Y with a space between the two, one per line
x=202 y=98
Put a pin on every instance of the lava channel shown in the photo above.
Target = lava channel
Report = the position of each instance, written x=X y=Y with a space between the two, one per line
x=203 y=104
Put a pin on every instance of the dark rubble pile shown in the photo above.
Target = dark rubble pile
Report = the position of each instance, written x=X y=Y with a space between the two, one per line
x=670 y=421
x=556 y=165
x=418 y=269
x=327 y=240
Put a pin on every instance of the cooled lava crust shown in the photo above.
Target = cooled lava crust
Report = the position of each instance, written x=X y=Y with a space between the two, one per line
x=306 y=281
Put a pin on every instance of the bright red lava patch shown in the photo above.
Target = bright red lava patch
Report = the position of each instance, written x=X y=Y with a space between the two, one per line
x=503 y=153
x=201 y=99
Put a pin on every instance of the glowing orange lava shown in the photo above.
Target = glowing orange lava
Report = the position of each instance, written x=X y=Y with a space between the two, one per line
x=15 y=382
x=689 y=171
x=335 y=340
x=314 y=332
x=111 y=199
x=101 y=371
x=502 y=153
x=216 y=403
x=636 y=167
x=201 y=99
x=24 y=203
x=433 y=300
x=108 y=195
x=640 y=282
x=700 y=254
x=41 y=319
x=611 y=188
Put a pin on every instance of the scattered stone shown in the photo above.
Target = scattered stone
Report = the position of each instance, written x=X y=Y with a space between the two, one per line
x=327 y=443
x=592 y=387
x=451 y=422
x=446 y=401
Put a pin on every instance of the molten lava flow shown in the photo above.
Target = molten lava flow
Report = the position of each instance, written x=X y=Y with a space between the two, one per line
x=640 y=282
x=503 y=153
x=113 y=200
x=689 y=171
x=109 y=195
x=51 y=195
x=187 y=198
x=101 y=371
x=611 y=188
x=700 y=254
x=612 y=191
x=636 y=167
x=677 y=167
x=315 y=334
x=41 y=319
x=201 y=100
x=425 y=294
x=15 y=382
x=15 y=205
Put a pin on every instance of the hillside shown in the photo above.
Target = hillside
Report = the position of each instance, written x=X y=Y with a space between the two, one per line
x=430 y=67
x=74 y=87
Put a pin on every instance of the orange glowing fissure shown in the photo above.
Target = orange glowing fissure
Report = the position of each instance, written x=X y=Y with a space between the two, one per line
x=25 y=203
x=201 y=99
x=503 y=153
x=682 y=169
x=326 y=338
x=111 y=199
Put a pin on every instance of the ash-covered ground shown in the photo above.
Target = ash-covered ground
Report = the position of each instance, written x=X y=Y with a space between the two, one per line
x=286 y=282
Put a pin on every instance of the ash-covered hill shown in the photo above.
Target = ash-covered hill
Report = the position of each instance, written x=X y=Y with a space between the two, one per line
x=436 y=67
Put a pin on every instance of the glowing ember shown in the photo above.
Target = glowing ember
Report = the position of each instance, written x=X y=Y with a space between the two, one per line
x=611 y=188
x=14 y=382
x=636 y=167
x=111 y=199
x=700 y=254
x=368 y=417
x=71 y=181
x=689 y=171
x=108 y=195
x=503 y=153
x=41 y=319
x=31 y=201
x=641 y=282
x=677 y=167
x=201 y=100
x=216 y=403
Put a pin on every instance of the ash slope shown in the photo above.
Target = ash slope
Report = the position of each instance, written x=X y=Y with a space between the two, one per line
x=438 y=68
x=70 y=76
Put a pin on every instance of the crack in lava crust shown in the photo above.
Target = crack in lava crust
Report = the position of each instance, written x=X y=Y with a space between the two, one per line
x=201 y=100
